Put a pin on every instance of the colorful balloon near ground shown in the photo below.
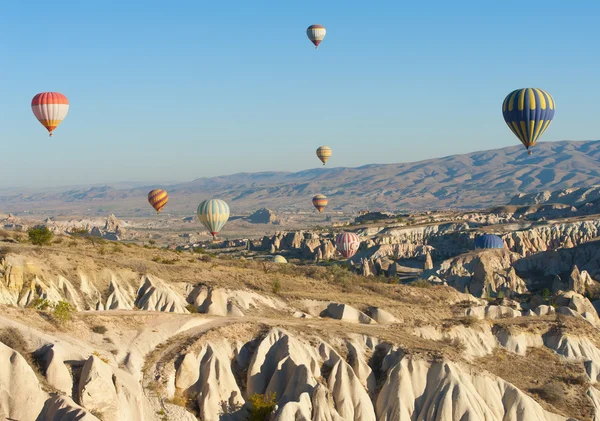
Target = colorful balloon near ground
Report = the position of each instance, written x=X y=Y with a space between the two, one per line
x=279 y=259
x=213 y=214
x=50 y=108
x=158 y=198
x=347 y=243
x=324 y=153
x=319 y=202
x=528 y=113
x=489 y=241
x=316 y=33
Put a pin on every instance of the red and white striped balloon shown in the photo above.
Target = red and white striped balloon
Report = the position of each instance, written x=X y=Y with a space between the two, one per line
x=347 y=244
x=50 y=108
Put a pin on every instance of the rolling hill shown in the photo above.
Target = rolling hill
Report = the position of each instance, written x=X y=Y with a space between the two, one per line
x=478 y=179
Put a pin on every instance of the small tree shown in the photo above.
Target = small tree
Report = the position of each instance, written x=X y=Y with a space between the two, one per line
x=546 y=295
x=40 y=235
x=62 y=312
x=261 y=406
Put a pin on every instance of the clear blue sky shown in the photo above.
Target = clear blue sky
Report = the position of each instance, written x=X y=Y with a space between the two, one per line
x=176 y=90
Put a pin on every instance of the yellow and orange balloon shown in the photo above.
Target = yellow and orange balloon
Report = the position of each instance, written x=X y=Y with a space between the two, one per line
x=324 y=153
x=158 y=198
x=50 y=108
x=319 y=202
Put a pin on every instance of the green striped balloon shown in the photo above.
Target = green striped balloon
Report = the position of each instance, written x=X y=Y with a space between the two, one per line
x=213 y=214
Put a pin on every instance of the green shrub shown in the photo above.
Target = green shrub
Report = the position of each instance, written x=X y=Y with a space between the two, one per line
x=151 y=242
x=40 y=235
x=420 y=283
x=41 y=304
x=100 y=329
x=191 y=308
x=276 y=286
x=261 y=406
x=546 y=295
x=62 y=312
x=500 y=295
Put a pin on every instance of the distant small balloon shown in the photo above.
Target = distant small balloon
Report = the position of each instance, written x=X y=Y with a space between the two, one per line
x=158 y=198
x=279 y=259
x=324 y=153
x=528 y=113
x=316 y=33
x=50 y=108
x=319 y=202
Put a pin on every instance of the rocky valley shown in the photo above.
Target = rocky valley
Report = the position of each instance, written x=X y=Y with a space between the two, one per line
x=102 y=324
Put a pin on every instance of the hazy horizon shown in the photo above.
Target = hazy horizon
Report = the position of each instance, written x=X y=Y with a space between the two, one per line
x=184 y=91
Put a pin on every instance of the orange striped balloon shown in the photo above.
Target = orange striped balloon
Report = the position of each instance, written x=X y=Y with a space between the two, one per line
x=158 y=198
x=50 y=108
x=319 y=202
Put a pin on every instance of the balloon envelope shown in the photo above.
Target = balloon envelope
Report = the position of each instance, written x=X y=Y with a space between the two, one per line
x=528 y=113
x=213 y=214
x=347 y=243
x=489 y=241
x=50 y=108
x=315 y=34
x=324 y=153
x=279 y=259
x=319 y=202
x=158 y=198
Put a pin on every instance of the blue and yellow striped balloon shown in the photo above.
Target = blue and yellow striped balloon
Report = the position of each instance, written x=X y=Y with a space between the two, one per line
x=213 y=214
x=528 y=113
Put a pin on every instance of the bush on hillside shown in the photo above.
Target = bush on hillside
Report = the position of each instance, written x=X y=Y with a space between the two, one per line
x=40 y=235
x=261 y=406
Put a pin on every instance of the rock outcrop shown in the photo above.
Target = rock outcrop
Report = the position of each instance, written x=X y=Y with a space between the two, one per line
x=264 y=216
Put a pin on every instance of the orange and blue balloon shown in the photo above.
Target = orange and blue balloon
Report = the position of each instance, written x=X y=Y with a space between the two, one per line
x=528 y=113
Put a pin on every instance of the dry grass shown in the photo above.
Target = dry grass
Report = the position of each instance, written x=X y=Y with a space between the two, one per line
x=553 y=382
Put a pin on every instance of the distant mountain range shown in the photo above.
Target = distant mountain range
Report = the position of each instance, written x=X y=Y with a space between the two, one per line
x=478 y=179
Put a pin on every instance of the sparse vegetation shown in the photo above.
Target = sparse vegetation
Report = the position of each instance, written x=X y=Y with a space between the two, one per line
x=469 y=321
x=40 y=235
x=62 y=312
x=41 y=304
x=420 y=283
x=276 y=286
x=191 y=308
x=151 y=242
x=261 y=406
x=99 y=329
x=100 y=357
x=267 y=266
x=552 y=392
x=546 y=295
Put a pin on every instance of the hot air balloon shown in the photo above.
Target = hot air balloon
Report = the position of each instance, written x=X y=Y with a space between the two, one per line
x=316 y=33
x=489 y=241
x=279 y=259
x=319 y=202
x=50 y=108
x=528 y=113
x=347 y=244
x=158 y=198
x=324 y=153
x=213 y=214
